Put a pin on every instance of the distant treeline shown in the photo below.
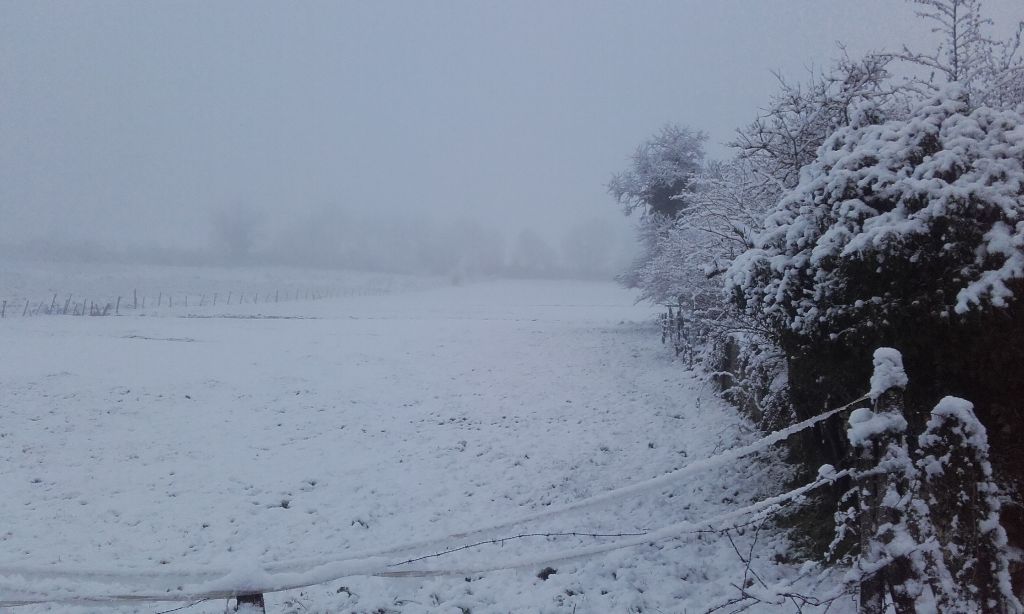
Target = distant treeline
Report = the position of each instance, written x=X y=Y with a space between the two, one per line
x=337 y=239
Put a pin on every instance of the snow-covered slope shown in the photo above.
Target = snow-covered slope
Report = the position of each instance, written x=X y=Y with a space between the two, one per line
x=257 y=434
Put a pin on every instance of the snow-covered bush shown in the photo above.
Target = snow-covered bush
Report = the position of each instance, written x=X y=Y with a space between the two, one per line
x=861 y=210
x=668 y=269
x=906 y=233
x=715 y=219
x=692 y=236
x=751 y=374
x=922 y=217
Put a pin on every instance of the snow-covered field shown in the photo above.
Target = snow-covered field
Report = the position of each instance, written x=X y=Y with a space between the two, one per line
x=262 y=435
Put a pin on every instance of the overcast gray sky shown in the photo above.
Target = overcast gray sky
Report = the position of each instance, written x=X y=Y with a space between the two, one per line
x=132 y=121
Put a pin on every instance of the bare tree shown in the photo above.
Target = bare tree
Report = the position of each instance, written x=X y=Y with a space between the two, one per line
x=991 y=71
x=786 y=135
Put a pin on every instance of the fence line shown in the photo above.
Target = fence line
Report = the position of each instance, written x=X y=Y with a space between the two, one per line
x=239 y=583
x=318 y=571
x=665 y=479
x=118 y=304
x=894 y=516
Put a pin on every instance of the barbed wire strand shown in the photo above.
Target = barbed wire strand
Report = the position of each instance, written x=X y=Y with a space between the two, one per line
x=502 y=540
x=183 y=607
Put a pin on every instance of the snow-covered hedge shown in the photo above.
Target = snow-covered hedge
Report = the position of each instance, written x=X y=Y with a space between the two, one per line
x=925 y=212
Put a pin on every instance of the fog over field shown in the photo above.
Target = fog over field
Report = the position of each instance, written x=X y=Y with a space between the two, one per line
x=399 y=135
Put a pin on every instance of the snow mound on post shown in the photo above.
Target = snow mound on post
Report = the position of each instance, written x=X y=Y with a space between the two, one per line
x=866 y=426
x=888 y=372
x=959 y=415
x=962 y=411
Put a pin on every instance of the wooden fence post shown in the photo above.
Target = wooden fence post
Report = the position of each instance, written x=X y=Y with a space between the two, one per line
x=3 y=310
x=879 y=440
x=965 y=501
x=135 y=297
x=664 y=326
x=117 y=308
x=680 y=331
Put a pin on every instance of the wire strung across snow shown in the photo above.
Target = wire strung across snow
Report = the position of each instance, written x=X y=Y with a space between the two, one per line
x=502 y=540
x=717 y=460
x=761 y=508
x=280 y=576
x=376 y=567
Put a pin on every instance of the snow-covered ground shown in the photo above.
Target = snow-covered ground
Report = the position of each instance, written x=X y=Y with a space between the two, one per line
x=253 y=435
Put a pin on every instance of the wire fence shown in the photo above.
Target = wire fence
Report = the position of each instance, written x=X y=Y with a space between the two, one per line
x=98 y=587
x=134 y=302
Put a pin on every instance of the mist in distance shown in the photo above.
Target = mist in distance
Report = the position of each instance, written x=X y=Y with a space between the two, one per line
x=449 y=138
